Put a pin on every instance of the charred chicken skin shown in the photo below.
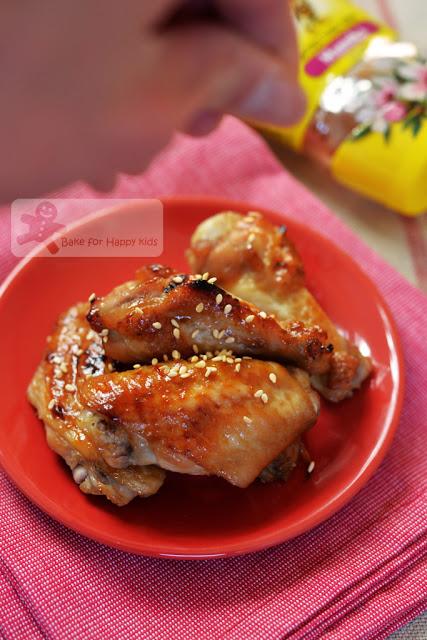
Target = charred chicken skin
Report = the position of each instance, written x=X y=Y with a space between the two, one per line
x=257 y=262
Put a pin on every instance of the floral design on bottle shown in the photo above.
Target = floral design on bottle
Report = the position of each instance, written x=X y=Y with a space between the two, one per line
x=400 y=96
x=376 y=95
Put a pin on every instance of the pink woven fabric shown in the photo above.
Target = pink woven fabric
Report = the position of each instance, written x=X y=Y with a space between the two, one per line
x=361 y=574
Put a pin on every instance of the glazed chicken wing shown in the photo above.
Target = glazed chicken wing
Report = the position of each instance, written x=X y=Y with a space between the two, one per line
x=99 y=453
x=257 y=262
x=224 y=416
x=162 y=312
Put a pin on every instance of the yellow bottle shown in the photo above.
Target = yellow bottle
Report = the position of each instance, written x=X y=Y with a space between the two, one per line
x=366 y=117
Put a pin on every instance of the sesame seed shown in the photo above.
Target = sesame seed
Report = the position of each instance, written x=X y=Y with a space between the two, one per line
x=157 y=325
x=212 y=280
x=205 y=276
x=51 y=404
x=187 y=374
x=165 y=357
x=273 y=377
x=176 y=354
x=262 y=315
x=251 y=237
x=227 y=308
x=194 y=359
x=110 y=367
x=178 y=279
x=247 y=357
x=137 y=311
x=176 y=333
x=182 y=369
x=230 y=339
x=154 y=361
x=172 y=373
x=198 y=276
x=219 y=298
x=237 y=359
x=91 y=334
x=237 y=367
x=104 y=339
x=258 y=393
x=310 y=467
x=64 y=367
x=104 y=332
x=210 y=370
x=200 y=365
x=136 y=366
x=264 y=398
x=247 y=420
x=229 y=360
x=174 y=323
x=217 y=359
x=194 y=334
x=249 y=318
x=92 y=298
x=221 y=334
x=70 y=387
x=200 y=307
x=167 y=378
x=204 y=356
x=195 y=348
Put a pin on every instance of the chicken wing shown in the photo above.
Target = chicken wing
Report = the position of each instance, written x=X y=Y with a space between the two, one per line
x=99 y=453
x=257 y=262
x=223 y=416
x=162 y=312
x=210 y=415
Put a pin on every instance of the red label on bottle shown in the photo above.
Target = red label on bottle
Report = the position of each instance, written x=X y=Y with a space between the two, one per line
x=338 y=47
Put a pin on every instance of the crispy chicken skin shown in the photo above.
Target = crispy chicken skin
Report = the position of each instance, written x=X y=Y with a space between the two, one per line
x=99 y=453
x=256 y=261
x=161 y=312
x=213 y=418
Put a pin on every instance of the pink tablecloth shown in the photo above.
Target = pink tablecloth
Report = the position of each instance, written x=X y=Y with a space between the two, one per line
x=361 y=574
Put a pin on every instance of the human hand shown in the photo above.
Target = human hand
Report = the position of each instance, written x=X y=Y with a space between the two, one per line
x=93 y=88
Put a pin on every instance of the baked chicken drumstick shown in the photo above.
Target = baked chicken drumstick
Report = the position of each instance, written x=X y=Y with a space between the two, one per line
x=256 y=261
x=163 y=312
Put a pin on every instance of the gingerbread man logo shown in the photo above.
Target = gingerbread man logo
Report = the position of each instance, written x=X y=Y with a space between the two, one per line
x=41 y=225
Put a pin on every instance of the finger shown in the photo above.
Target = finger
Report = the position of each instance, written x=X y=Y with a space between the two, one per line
x=268 y=24
x=189 y=77
x=227 y=74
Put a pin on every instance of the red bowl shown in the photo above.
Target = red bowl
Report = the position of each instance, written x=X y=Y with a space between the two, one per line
x=200 y=517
